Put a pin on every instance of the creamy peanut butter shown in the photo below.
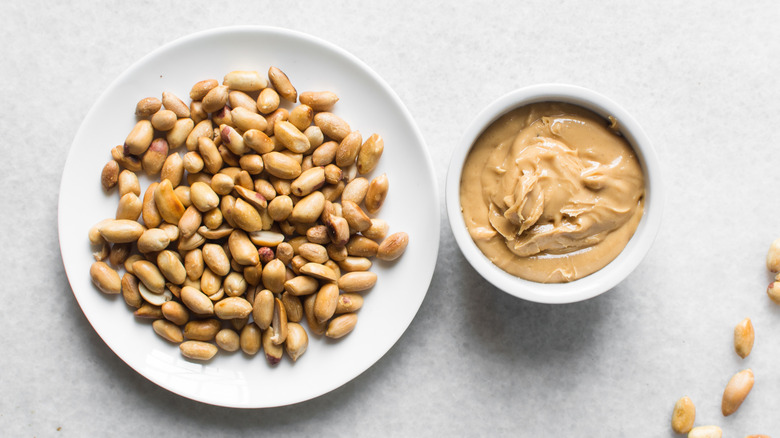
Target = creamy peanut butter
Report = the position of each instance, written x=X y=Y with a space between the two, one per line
x=550 y=193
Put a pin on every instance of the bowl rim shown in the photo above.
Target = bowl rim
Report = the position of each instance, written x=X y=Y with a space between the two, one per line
x=639 y=244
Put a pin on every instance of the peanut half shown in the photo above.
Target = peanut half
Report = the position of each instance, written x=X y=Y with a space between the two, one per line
x=683 y=415
x=744 y=336
x=736 y=390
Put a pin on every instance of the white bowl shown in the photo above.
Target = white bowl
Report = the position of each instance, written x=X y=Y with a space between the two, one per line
x=640 y=243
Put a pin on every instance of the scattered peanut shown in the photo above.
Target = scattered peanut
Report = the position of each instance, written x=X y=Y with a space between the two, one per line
x=683 y=415
x=744 y=335
x=736 y=390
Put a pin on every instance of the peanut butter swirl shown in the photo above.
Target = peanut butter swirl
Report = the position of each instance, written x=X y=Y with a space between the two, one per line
x=550 y=193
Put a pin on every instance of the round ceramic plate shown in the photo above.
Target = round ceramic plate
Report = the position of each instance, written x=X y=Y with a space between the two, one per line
x=368 y=104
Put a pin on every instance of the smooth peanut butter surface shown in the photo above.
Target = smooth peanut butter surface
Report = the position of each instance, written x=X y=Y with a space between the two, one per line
x=550 y=193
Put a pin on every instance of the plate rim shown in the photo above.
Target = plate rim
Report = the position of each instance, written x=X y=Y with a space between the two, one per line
x=259 y=30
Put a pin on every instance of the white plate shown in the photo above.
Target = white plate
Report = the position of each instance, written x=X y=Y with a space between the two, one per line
x=368 y=104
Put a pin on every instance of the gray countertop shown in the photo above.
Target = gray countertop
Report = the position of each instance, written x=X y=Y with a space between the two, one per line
x=700 y=76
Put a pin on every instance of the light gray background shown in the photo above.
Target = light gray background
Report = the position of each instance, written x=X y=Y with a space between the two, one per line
x=700 y=76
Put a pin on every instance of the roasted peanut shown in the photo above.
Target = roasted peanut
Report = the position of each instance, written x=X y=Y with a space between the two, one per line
x=121 y=230
x=130 y=291
x=376 y=194
x=175 y=312
x=105 y=278
x=216 y=98
x=196 y=301
x=174 y=104
x=341 y=325
x=297 y=341
x=736 y=390
x=348 y=303
x=128 y=183
x=683 y=415
x=198 y=350
x=141 y=136
x=168 y=331
x=744 y=335
x=245 y=80
x=147 y=106
x=705 y=432
x=129 y=207
x=369 y=154
x=177 y=136
x=355 y=191
x=282 y=84
x=393 y=246
x=200 y=89
x=332 y=125
x=319 y=100
x=232 y=308
x=109 y=175
x=357 y=281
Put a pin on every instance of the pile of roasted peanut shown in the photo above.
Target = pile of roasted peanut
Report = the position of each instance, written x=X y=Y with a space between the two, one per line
x=264 y=221
x=740 y=385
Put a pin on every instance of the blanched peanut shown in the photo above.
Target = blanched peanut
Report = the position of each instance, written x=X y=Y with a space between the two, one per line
x=154 y=157
x=376 y=194
x=348 y=149
x=355 y=191
x=282 y=84
x=393 y=246
x=204 y=128
x=341 y=326
x=174 y=104
x=198 y=350
x=196 y=301
x=744 y=336
x=109 y=175
x=369 y=155
x=736 y=390
x=332 y=125
x=174 y=312
x=168 y=331
x=301 y=117
x=129 y=207
x=326 y=302
x=232 y=308
x=268 y=101
x=228 y=340
x=281 y=166
x=297 y=341
x=773 y=256
x=215 y=99
x=121 y=230
x=308 y=209
x=130 y=291
x=105 y=278
x=355 y=216
x=200 y=89
x=177 y=136
x=239 y=99
x=377 y=230
x=128 y=183
x=319 y=100
x=348 y=303
x=250 y=339
x=324 y=154
x=139 y=139
x=291 y=137
x=357 y=281
x=245 y=80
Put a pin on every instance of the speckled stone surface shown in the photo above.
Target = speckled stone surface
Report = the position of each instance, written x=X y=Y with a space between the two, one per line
x=701 y=77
